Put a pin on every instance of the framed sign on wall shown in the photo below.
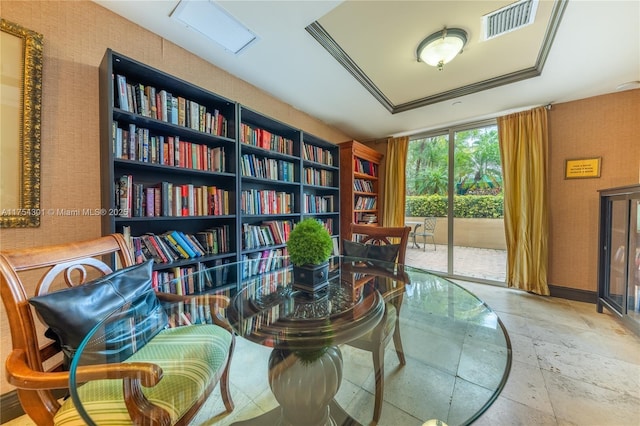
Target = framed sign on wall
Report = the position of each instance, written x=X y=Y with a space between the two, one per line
x=580 y=168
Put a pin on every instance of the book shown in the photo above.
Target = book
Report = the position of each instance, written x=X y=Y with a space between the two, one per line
x=183 y=243
x=123 y=102
x=187 y=240
x=174 y=244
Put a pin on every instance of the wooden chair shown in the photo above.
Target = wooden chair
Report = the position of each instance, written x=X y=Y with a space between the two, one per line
x=29 y=366
x=391 y=286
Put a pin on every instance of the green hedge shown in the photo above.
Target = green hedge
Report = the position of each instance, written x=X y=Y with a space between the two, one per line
x=464 y=206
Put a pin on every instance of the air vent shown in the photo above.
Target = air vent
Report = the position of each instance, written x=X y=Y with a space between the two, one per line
x=509 y=18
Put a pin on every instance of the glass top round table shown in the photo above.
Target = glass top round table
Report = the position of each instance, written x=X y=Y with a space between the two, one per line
x=374 y=343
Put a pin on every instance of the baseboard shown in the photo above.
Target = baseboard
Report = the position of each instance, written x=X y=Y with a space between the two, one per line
x=573 y=294
x=11 y=407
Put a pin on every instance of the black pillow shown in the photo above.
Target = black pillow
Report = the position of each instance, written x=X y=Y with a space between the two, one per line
x=72 y=313
x=353 y=249
x=383 y=253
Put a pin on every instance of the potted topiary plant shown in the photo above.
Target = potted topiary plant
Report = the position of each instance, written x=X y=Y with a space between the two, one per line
x=310 y=246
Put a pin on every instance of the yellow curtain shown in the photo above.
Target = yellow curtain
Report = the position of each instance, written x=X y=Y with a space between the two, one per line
x=395 y=181
x=524 y=148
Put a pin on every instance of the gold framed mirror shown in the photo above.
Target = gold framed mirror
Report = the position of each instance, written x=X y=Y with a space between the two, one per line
x=21 y=60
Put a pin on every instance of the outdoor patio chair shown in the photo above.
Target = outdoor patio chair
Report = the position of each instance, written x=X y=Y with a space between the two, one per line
x=428 y=230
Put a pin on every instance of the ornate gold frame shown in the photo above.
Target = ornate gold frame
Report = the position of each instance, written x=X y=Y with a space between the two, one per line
x=28 y=213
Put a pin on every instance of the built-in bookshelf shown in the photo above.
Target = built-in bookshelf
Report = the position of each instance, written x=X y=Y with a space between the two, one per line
x=194 y=180
x=359 y=185
x=269 y=190
x=321 y=182
x=169 y=161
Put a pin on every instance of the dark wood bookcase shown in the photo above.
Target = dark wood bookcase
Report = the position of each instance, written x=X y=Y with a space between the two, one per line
x=181 y=161
x=360 y=200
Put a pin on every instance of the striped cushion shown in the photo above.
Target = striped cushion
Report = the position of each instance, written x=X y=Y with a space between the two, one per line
x=190 y=357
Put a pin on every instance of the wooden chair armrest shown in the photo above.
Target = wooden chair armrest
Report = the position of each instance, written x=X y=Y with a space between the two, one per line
x=20 y=375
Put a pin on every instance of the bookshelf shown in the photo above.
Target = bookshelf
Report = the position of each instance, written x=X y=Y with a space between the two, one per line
x=168 y=167
x=269 y=190
x=321 y=182
x=195 y=180
x=360 y=200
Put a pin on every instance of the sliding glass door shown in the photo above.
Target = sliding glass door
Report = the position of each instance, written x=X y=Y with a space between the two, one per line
x=455 y=176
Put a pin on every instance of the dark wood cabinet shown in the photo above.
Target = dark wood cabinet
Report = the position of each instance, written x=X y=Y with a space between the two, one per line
x=619 y=254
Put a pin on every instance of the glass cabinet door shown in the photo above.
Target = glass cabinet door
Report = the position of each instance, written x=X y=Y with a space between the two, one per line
x=615 y=287
x=633 y=290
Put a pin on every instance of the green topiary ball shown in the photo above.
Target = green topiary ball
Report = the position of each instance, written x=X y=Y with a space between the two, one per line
x=309 y=243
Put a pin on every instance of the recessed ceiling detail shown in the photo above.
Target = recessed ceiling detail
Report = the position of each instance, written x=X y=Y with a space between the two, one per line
x=510 y=18
x=385 y=65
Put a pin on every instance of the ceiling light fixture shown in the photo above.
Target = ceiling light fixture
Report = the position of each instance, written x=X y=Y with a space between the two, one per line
x=441 y=47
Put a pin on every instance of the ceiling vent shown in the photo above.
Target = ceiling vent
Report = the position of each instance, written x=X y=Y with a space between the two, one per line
x=509 y=18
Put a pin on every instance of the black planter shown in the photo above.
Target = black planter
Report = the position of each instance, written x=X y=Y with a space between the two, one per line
x=311 y=277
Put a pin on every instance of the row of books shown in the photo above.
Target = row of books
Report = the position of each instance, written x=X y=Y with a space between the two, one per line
x=318 y=203
x=365 y=203
x=192 y=312
x=366 y=218
x=263 y=138
x=327 y=223
x=267 y=168
x=165 y=248
x=366 y=167
x=137 y=143
x=192 y=279
x=363 y=185
x=168 y=199
x=175 y=245
x=267 y=233
x=266 y=201
x=265 y=261
x=317 y=154
x=318 y=177
x=162 y=105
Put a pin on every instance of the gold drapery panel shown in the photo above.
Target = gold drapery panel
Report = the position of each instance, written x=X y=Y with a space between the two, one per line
x=395 y=181
x=523 y=140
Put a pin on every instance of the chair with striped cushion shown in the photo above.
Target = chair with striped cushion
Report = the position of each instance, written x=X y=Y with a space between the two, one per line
x=165 y=381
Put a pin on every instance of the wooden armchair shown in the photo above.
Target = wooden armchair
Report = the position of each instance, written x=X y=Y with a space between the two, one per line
x=35 y=369
x=391 y=286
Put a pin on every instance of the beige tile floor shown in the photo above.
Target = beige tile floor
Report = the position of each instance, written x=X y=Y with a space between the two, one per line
x=571 y=366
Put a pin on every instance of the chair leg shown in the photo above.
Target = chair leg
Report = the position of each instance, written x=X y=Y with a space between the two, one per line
x=433 y=239
x=378 y=365
x=224 y=382
x=397 y=342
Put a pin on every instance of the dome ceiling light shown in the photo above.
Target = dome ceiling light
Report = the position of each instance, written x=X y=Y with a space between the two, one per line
x=441 y=47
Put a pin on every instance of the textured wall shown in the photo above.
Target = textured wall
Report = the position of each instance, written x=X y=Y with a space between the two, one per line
x=604 y=126
x=76 y=36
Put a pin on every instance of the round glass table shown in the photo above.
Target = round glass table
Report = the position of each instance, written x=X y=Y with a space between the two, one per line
x=381 y=343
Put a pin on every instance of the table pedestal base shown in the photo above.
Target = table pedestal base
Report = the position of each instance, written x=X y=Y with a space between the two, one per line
x=305 y=383
x=338 y=417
